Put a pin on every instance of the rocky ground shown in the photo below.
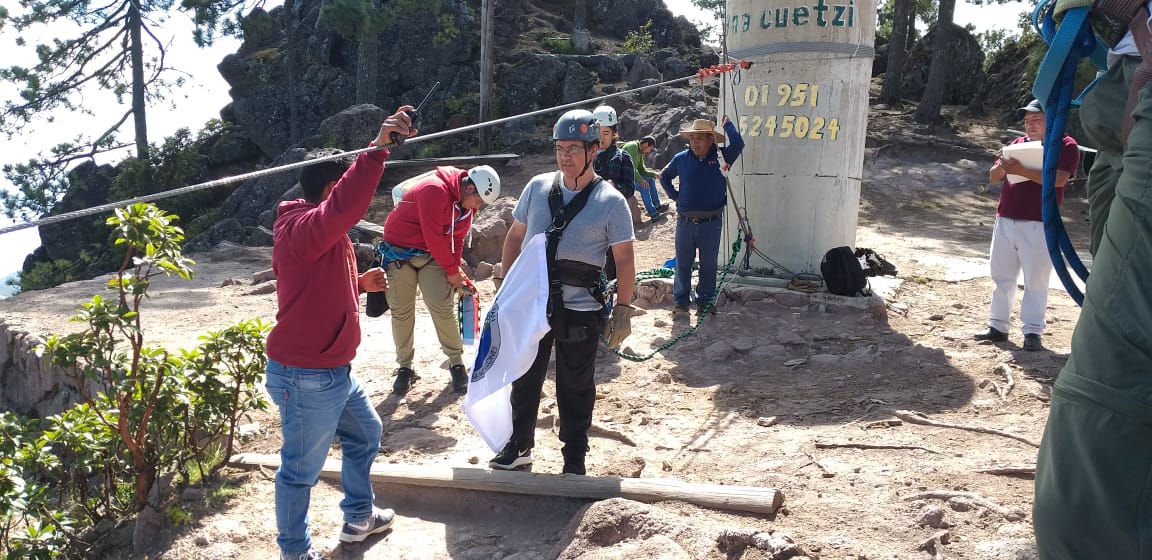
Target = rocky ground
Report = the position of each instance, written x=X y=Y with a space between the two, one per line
x=775 y=391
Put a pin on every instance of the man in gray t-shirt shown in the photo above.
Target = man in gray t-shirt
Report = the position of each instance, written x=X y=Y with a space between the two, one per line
x=604 y=221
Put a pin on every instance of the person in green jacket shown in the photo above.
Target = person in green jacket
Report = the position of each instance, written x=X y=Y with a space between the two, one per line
x=645 y=176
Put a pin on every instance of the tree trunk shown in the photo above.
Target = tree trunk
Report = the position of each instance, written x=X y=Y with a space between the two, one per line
x=368 y=63
x=293 y=19
x=367 y=66
x=897 y=54
x=929 y=109
x=139 y=114
x=486 y=71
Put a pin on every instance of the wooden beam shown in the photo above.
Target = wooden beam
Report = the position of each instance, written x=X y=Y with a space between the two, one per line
x=740 y=498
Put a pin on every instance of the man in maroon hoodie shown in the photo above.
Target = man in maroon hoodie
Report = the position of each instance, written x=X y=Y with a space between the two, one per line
x=424 y=245
x=310 y=349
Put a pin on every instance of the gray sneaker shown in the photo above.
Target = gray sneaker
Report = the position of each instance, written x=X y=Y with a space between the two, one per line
x=380 y=521
x=310 y=554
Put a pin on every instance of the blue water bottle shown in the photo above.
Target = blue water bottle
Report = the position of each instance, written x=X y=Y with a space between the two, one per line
x=467 y=313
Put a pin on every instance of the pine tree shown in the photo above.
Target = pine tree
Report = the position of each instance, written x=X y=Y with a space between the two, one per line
x=112 y=47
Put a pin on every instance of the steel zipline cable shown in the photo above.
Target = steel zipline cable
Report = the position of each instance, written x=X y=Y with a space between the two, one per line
x=700 y=74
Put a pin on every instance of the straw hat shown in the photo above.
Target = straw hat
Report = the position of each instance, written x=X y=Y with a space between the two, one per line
x=702 y=126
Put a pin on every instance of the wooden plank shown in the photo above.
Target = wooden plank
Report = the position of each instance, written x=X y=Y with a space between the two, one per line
x=740 y=498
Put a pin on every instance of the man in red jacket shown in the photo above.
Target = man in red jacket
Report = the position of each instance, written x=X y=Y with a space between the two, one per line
x=424 y=245
x=310 y=349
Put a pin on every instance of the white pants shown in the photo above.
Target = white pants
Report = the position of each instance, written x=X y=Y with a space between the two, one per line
x=1016 y=245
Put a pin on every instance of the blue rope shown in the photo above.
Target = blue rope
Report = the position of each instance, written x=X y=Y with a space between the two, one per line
x=1072 y=40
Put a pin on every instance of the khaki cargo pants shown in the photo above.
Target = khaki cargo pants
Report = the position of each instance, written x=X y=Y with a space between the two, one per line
x=439 y=296
x=1094 y=470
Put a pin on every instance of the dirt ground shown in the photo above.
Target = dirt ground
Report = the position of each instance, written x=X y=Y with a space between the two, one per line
x=761 y=395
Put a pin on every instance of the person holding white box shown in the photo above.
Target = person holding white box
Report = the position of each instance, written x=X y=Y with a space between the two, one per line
x=1018 y=236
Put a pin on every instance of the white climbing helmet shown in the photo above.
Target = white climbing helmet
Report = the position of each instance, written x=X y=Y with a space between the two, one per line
x=487 y=182
x=606 y=115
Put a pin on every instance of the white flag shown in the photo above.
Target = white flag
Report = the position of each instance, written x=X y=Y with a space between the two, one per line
x=509 y=341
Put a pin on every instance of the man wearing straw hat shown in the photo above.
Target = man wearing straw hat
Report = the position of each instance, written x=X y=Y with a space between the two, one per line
x=700 y=203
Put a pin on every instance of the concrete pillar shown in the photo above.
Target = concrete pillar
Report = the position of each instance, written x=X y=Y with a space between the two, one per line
x=803 y=110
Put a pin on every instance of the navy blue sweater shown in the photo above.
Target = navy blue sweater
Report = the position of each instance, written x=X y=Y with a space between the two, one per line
x=702 y=185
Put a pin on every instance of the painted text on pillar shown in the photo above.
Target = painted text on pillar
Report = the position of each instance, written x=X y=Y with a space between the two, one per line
x=820 y=14
x=798 y=95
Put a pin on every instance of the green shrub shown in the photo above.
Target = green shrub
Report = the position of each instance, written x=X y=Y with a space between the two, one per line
x=448 y=32
x=558 y=45
x=639 y=41
x=145 y=411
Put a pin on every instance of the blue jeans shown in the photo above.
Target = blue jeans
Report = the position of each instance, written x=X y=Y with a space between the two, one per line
x=317 y=404
x=690 y=237
x=650 y=197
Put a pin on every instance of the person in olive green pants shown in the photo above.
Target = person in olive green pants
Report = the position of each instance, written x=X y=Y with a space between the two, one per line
x=1103 y=126
x=1094 y=470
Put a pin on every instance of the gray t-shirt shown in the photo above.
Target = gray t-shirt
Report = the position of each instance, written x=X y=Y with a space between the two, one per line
x=605 y=220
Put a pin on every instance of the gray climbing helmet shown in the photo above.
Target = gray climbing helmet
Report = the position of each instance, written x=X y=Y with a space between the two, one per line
x=577 y=124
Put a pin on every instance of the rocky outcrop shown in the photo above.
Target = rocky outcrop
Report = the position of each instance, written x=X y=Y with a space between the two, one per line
x=293 y=70
x=29 y=383
x=90 y=185
x=964 y=77
x=1007 y=86
x=967 y=73
x=294 y=86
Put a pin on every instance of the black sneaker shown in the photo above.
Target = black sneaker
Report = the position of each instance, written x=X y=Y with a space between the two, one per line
x=1032 y=343
x=663 y=206
x=511 y=457
x=380 y=521
x=992 y=334
x=459 y=378
x=405 y=377
x=573 y=466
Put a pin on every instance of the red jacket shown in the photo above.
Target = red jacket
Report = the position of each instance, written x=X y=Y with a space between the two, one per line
x=318 y=320
x=429 y=218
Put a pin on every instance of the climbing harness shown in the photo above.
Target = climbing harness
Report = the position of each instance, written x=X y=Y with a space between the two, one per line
x=700 y=74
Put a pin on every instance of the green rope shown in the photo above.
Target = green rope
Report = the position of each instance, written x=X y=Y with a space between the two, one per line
x=663 y=272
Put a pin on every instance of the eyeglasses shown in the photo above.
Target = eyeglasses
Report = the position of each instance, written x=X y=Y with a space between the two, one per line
x=570 y=151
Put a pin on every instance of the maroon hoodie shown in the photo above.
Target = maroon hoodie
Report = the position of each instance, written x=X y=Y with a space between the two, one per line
x=429 y=219
x=318 y=321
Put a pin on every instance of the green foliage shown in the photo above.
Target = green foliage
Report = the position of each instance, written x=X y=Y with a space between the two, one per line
x=46 y=274
x=639 y=41
x=432 y=149
x=178 y=516
x=359 y=19
x=213 y=17
x=145 y=411
x=991 y=41
x=175 y=163
x=716 y=7
x=448 y=32
x=558 y=45
x=925 y=11
x=93 y=55
x=40 y=182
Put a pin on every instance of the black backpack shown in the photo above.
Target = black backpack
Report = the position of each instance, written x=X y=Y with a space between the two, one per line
x=842 y=272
